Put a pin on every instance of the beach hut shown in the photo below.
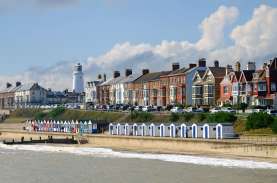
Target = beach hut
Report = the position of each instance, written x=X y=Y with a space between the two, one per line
x=118 y=129
x=224 y=130
x=194 y=130
x=127 y=129
x=111 y=129
x=135 y=129
x=144 y=130
x=94 y=127
x=183 y=131
x=206 y=131
x=153 y=130
x=89 y=126
x=162 y=130
x=65 y=127
x=172 y=129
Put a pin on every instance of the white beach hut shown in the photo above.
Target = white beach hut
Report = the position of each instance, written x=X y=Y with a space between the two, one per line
x=89 y=126
x=162 y=130
x=135 y=129
x=111 y=129
x=127 y=129
x=143 y=130
x=206 y=131
x=194 y=131
x=172 y=128
x=118 y=129
x=184 y=131
x=152 y=130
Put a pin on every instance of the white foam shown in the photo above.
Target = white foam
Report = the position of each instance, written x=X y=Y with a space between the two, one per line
x=105 y=152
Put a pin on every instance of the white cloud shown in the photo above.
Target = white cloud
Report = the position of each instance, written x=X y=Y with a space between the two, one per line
x=253 y=40
x=213 y=27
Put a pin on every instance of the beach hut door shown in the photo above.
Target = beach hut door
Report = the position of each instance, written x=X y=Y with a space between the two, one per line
x=162 y=131
x=206 y=132
x=152 y=130
x=183 y=132
x=219 y=129
x=194 y=132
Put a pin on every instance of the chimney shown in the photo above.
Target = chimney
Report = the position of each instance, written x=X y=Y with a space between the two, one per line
x=99 y=77
x=8 y=85
x=192 y=65
x=216 y=63
x=116 y=74
x=145 y=71
x=202 y=62
x=18 y=84
x=175 y=66
x=237 y=66
x=251 y=66
x=128 y=72
x=104 y=77
x=228 y=69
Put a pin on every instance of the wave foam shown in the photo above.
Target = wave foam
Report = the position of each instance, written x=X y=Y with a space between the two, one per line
x=105 y=152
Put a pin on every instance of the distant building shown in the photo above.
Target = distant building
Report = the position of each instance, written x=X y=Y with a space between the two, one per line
x=7 y=95
x=78 y=79
x=92 y=90
x=30 y=94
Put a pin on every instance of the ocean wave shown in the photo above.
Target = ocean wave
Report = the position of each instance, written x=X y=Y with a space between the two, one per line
x=106 y=152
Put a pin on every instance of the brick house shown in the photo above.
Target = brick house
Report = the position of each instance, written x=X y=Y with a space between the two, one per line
x=146 y=88
x=227 y=85
x=173 y=86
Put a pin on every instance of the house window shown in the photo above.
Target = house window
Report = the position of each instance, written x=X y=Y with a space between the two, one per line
x=262 y=87
x=225 y=89
x=273 y=87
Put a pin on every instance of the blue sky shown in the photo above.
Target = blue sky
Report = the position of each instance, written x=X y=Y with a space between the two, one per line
x=40 y=40
x=40 y=35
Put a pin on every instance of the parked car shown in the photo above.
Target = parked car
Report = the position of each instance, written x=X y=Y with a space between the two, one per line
x=215 y=110
x=147 y=109
x=138 y=108
x=228 y=109
x=131 y=108
x=272 y=112
x=199 y=110
x=158 y=108
x=177 y=110
x=124 y=107
x=190 y=109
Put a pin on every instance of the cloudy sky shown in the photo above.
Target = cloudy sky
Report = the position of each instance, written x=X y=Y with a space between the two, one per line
x=40 y=40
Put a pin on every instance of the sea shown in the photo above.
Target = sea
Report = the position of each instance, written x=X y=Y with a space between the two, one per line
x=72 y=164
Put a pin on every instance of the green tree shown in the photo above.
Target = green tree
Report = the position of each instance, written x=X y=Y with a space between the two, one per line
x=259 y=120
x=221 y=117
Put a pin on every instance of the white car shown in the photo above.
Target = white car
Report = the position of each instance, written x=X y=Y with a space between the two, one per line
x=177 y=110
x=215 y=110
x=228 y=109
x=272 y=112
x=147 y=109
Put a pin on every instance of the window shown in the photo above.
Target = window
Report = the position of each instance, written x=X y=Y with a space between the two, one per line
x=273 y=86
x=225 y=89
x=262 y=87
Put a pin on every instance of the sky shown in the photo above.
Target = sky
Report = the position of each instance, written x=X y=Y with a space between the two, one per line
x=41 y=40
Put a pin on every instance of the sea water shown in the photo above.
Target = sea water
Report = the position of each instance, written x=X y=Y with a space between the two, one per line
x=65 y=164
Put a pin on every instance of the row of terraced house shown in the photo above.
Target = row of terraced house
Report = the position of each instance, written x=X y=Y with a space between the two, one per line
x=196 y=85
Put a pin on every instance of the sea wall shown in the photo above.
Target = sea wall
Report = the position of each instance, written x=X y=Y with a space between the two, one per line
x=165 y=145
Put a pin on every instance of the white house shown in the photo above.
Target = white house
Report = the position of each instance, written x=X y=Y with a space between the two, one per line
x=30 y=94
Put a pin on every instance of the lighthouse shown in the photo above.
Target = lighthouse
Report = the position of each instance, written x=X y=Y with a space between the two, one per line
x=78 y=79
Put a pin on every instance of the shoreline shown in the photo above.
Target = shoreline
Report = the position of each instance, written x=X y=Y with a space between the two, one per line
x=230 y=149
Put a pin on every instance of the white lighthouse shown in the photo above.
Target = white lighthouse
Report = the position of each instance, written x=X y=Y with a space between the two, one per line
x=78 y=79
